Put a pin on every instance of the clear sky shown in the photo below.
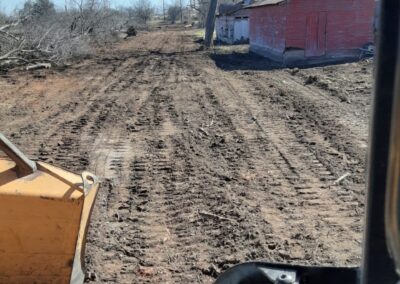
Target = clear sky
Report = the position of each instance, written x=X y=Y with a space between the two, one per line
x=9 y=5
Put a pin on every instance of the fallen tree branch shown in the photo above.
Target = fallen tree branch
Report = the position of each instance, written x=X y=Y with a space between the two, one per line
x=11 y=52
x=204 y=131
x=18 y=58
x=336 y=182
x=44 y=36
x=10 y=25
x=44 y=60
x=9 y=35
x=35 y=50
x=211 y=215
x=38 y=66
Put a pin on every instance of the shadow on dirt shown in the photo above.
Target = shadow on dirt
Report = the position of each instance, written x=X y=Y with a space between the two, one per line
x=252 y=62
x=243 y=61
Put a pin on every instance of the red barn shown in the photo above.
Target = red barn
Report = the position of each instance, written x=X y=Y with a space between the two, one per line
x=294 y=30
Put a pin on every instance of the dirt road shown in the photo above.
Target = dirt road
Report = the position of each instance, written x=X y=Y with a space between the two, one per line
x=206 y=161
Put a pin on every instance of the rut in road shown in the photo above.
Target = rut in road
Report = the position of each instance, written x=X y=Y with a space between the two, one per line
x=201 y=168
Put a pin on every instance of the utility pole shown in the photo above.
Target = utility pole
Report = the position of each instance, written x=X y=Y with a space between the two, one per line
x=210 y=23
x=181 y=12
x=163 y=9
x=190 y=12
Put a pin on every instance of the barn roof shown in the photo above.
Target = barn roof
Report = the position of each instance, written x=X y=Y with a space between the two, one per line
x=226 y=9
x=265 y=3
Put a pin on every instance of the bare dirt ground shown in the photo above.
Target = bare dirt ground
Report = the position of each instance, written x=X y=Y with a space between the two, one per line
x=207 y=160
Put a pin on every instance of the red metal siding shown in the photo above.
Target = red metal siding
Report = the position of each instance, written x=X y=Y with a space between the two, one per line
x=318 y=26
x=348 y=25
x=267 y=27
x=315 y=34
x=350 y=29
x=296 y=31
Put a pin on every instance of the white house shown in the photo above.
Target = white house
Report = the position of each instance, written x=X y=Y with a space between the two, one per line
x=232 y=23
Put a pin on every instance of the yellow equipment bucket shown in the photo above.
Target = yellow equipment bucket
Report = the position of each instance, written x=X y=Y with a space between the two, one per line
x=44 y=216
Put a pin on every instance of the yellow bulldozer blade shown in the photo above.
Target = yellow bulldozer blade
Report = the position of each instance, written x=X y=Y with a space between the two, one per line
x=44 y=216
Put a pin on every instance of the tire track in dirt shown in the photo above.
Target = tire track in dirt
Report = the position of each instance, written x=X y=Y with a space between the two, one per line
x=312 y=182
x=119 y=175
x=46 y=140
x=218 y=164
x=72 y=139
x=128 y=204
x=335 y=144
x=298 y=188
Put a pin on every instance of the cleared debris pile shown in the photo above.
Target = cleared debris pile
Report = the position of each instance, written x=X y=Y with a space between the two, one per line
x=40 y=37
x=26 y=43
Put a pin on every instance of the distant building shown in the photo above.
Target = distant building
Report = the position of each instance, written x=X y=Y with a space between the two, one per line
x=232 y=23
x=292 y=31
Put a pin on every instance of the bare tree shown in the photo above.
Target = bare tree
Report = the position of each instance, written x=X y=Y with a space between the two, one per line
x=43 y=8
x=37 y=9
x=3 y=17
x=201 y=7
x=174 y=12
x=87 y=15
x=143 y=11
